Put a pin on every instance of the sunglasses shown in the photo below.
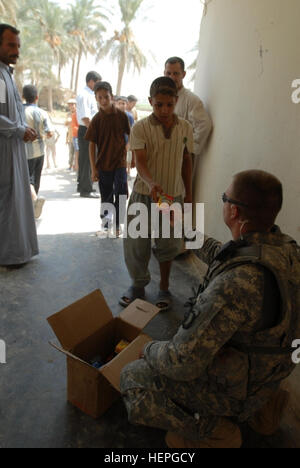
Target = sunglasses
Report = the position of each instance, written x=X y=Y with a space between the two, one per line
x=225 y=199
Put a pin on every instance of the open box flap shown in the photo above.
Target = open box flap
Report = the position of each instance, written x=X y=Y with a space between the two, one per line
x=67 y=353
x=112 y=370
x=80 y=320
x=139 y=313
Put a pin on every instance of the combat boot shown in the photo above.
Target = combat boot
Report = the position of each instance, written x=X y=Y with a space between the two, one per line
x=226 y=434
x=267 y=420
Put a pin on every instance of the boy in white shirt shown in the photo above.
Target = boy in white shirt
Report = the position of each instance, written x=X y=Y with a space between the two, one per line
x=39 y=120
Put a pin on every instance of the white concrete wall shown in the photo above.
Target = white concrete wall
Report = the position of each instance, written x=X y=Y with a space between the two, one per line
x=249 y=57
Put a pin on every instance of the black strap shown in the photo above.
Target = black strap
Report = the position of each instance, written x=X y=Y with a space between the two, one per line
x=267 y=350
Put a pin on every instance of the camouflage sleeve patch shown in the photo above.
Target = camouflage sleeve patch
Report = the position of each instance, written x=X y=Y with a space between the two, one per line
x=209 y=250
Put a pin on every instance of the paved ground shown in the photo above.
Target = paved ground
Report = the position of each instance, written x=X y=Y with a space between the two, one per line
x=72 y=263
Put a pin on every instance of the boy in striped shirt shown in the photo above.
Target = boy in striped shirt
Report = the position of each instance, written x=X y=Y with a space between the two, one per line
x=162 y=145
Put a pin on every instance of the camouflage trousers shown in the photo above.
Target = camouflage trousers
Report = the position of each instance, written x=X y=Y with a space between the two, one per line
x=191 y=409
x=155 y=401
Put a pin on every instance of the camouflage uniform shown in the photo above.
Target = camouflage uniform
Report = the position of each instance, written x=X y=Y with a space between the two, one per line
x=214 y=366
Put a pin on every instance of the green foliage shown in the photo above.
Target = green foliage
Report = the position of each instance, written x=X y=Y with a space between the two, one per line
x=84 y=27
x=122 y=47
x=53 y=37
x=8 y=11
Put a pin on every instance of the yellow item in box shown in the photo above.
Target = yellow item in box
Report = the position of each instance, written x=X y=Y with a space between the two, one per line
x=121 y=345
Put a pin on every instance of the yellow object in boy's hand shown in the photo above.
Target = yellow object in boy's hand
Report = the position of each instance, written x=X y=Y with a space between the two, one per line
x=164 y=202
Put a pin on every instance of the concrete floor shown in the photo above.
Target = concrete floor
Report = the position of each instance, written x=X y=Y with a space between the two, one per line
x=72 y=263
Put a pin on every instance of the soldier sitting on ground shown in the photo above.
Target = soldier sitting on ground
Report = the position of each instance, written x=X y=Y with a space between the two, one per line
x=226 y=362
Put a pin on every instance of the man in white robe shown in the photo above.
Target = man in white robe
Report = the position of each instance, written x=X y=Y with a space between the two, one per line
x=189 y=107
x=18 y=237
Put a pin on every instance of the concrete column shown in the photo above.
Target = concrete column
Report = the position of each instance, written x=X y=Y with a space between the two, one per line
x=249 y=58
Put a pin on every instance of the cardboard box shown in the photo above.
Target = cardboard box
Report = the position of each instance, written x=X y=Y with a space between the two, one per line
x=87 y=328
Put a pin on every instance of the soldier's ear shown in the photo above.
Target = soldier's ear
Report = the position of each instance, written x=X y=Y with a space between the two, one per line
x=234 y=212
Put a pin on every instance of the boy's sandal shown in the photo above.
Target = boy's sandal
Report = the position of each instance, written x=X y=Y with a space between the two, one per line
x=164 y=300
x=131 y=295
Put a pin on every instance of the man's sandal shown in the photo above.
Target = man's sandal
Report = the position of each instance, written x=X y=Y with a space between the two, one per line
x=164 y=300
x=131 y=295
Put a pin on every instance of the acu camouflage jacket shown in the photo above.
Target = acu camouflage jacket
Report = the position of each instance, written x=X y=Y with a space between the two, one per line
x=230 y=337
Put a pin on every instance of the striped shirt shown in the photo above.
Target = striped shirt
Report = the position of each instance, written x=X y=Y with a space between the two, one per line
x=164 y=154
x=38 y=119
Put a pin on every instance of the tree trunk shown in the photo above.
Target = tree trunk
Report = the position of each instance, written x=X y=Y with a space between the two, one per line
x=18 y=75
x=50 y=98
x=72 y=74
x=78 y=68
x=121 y=73
x=59 y=71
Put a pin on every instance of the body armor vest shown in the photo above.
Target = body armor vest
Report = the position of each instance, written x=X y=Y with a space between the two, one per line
x=269 y=350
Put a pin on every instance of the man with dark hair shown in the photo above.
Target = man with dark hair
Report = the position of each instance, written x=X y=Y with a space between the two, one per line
x=38 y=119
x=225 y=364
x=7 y=27
x=18 y=238
x=173 y=61
x=86 y=109
x=92 y=76
x=189 y=107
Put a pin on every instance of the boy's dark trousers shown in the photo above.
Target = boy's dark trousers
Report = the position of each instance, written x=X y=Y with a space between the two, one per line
x=84 y=174
x=35 y=167
x=112 y=184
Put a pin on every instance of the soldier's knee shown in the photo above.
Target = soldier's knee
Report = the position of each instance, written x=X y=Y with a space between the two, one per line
x=129 y=377
x=137 y=374
x=135 y=405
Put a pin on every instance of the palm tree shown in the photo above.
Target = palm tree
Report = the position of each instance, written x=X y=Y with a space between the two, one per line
x=193 y=65
x=41 y=24
x=51 y=20
x=122 y=47
x=32 y=59
x=8 y=10
x=85 y=27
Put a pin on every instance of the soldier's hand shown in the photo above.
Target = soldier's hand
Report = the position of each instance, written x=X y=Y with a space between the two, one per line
x=141 y=354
